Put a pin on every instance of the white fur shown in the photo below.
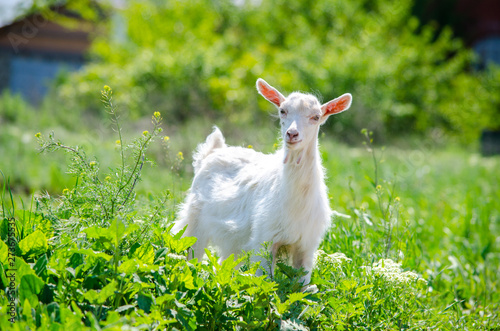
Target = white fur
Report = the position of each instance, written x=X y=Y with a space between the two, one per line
x=241 y=198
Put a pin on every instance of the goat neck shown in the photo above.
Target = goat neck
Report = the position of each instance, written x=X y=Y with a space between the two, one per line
x=304 y=163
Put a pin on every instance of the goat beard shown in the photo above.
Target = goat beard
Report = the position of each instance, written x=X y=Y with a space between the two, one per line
x=287 y=156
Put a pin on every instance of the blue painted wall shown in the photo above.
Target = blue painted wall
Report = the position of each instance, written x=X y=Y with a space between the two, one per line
x=31 y=76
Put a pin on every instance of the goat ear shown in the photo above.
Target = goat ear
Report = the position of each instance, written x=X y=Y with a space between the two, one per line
x=269 y=93
x=336 y=106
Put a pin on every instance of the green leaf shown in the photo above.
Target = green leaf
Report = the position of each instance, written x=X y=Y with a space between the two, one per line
x=100 y=297
x=22 y=269
x=165 y=299
x=29 y=288
x=27 y=310
x=47 y=294
x=225 y=272
x=348 y=284
x=3 y=277
x=4 y=252
x=92 y=296
x=144 y=302
x=77 y=311
x=297 y=296
x=160 y=253
x=281 y=307
x=184 y=316
x=364 y=287
x=118 y=230
x=41 y=264
x=213 y=260
x=124 y=308
x=184 y=243
x=92 y=253
x=95 y=232
x=34 y=244
x=129 y=267
x=106 y=292
x=178 y=245
x=101 y=235
x=71 y=319
x=187 y=279
x=145 y=253
x=368 y=178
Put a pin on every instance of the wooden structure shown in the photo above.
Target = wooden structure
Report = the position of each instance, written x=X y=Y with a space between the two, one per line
x=35 y=49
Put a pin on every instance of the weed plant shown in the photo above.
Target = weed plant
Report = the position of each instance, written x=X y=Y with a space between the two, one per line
x=97 y=257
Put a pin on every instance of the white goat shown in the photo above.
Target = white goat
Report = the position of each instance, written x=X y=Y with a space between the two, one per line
x=241 y=198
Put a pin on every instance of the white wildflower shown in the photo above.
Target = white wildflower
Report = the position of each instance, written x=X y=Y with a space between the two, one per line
x=176 y=256
x=392 y=272
x=335 y=259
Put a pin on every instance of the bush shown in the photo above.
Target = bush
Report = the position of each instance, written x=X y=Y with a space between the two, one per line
x=192 y=58
x=13 y=109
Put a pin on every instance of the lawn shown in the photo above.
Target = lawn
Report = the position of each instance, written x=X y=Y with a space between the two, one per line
x=414 y=243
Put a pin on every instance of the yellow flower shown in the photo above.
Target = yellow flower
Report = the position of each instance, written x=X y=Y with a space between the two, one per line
x=397 y=199
x=38 y=135
x=180 y=156
x=275 y=146
x=118 y=142
x=166 y=138
x=107 y=178
x=379 y=187
x=65 y=191
x=92 y=163
x=157 y=114
x=145 y=133
x=107 y=88
x=250 y=146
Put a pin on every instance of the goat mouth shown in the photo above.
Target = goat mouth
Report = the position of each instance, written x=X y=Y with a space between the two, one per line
x=292 y=143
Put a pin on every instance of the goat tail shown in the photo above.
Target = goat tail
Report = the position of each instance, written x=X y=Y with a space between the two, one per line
x=214 y=140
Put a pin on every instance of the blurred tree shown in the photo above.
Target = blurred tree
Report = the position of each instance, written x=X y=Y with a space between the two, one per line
x=188 y=58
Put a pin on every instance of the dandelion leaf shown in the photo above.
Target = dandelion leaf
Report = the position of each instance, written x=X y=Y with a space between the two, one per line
x=34 y=244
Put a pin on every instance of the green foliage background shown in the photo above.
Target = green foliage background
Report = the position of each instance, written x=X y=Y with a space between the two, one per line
x=195 y=58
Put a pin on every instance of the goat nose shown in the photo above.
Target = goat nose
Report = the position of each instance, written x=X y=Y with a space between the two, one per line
x=292 y=135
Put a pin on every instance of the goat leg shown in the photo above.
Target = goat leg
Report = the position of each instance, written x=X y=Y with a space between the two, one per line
x=274 y=251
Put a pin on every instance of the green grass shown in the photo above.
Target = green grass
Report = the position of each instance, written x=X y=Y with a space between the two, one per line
x=78 y=265
x=446 y=230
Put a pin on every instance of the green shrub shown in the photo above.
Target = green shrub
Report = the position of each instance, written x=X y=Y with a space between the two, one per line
x=96 y=198
x=13 y=108
x=192 y=58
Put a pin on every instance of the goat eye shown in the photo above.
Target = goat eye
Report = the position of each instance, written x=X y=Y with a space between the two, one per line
x=315 y=118
x=282 y=112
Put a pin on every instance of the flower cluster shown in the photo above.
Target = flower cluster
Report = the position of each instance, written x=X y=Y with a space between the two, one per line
x=393 y=273
x=336 y=259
